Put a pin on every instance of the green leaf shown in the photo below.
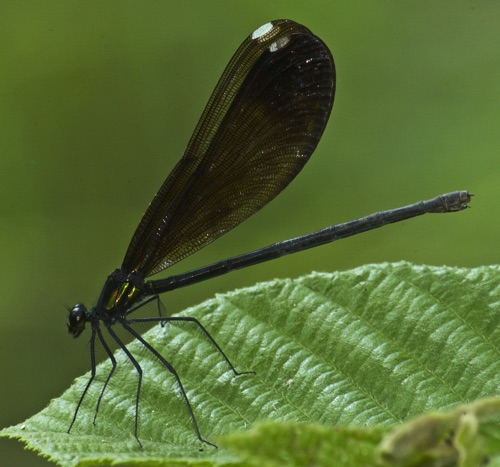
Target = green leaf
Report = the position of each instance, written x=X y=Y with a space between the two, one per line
x=350 y=353
x=298 y=444
x=453 y=438
x=466 y=436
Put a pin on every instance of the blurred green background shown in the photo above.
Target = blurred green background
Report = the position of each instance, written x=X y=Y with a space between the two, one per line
x=98 y=100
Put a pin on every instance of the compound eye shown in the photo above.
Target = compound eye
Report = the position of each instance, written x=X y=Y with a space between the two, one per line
x=77 y=319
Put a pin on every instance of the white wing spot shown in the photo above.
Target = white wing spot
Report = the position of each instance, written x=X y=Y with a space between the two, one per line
x=265 y=28
x=279 y=44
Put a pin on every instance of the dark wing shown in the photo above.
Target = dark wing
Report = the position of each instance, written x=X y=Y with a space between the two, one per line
x=260 y=126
